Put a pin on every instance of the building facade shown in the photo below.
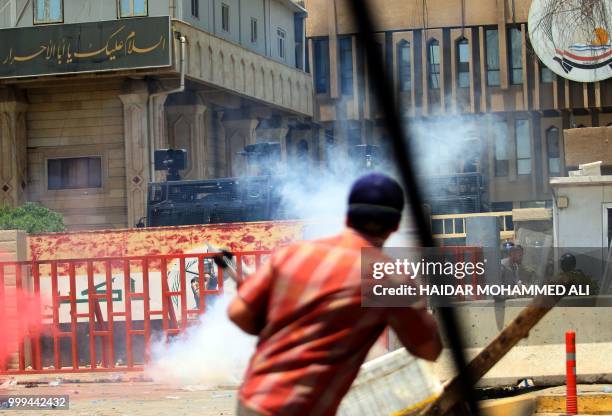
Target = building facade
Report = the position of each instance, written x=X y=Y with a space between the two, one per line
x=88 y=89
x=467 y=80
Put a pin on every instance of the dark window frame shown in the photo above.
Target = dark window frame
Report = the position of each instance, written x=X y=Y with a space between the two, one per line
x=36 y=22
x=550 y=145
x=195 y=8
x=544 y=79
x=463 y=67
x=517 y=138
x=434 y=69
x=254 y=30
x=94 y=181
x=346 y=64
x=281 y=36
x=321 y=67
x=225 y=17
x=515 y=55
x=404 y=69
x=492 y=58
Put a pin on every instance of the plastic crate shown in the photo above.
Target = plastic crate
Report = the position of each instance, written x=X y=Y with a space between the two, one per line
x=396 y=383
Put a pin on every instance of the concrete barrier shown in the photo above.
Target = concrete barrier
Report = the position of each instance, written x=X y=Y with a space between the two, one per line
x=540 y=356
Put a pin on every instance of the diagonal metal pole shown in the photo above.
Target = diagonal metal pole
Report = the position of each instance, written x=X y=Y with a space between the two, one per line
x=398 y=132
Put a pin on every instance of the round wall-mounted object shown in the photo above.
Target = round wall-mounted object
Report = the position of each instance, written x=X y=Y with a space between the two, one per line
x=573 y=37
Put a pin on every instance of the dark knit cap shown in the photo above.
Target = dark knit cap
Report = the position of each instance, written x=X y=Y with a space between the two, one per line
x=377 y=191
x=375 y=204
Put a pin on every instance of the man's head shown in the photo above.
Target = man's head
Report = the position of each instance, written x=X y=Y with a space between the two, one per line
x=568 y=262
x=195 y=286
x=375 y=206
x=516 y=254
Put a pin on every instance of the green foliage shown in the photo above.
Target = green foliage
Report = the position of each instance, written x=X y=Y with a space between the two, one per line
x=32 y=218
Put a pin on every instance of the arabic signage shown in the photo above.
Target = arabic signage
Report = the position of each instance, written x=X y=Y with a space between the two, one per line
x=573 y=37
x=85 y=47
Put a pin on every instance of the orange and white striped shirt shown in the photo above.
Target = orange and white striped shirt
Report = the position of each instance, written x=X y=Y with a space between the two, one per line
x=316 y=333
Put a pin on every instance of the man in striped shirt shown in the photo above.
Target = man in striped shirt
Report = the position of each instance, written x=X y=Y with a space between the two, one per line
x=305 y=307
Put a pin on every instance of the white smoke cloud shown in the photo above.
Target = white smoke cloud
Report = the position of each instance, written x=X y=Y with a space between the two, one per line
x=212 y=353
x=319 y=196
x=216 y=352
x=440 y=144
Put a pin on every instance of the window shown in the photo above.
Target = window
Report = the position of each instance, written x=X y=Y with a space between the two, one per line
x=48 y=11
x=463 y=63
x=403 y=66
x=282 y=35
x=132 y=8
x=74 y=173
x=225 y=23
x=353 y=137
x=546 y=75
x=552 y=149
x=195 y=8
x=301 y=151
x=523 y=147
x=330 y=146
x=501 y=149
x=321 y=64
x=253 y=30
x=299 y=43
x=501 y=206
x=516 y=55
x=346 y=65
x=492 y=45
x=433 y=59
x=534 y=204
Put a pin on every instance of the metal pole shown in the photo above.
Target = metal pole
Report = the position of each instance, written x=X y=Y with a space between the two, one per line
x=571 y=400
x=382 y=90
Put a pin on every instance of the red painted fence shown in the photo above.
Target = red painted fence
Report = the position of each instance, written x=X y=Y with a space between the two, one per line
x=141 y=305
x=86 y=328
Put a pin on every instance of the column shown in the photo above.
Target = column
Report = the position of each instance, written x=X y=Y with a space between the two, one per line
x=137 y=152
x=238 y=134
x=13 y=147
x=187 y=129
x=159 y=137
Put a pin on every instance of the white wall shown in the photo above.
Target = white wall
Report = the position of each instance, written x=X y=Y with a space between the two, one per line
x=281 y=17
x=253 y=9
x=581 y=223
x=204 y=20
x=234 y=20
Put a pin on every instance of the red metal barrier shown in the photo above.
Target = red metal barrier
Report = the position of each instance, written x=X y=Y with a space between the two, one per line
x=141 y=306
x=119 y=336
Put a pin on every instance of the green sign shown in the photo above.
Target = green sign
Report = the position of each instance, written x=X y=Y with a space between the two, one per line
x=85 y=47
x=100 y=289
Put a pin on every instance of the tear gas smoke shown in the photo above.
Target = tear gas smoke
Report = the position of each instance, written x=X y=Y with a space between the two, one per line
x=440 y=147
x=214 y=352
